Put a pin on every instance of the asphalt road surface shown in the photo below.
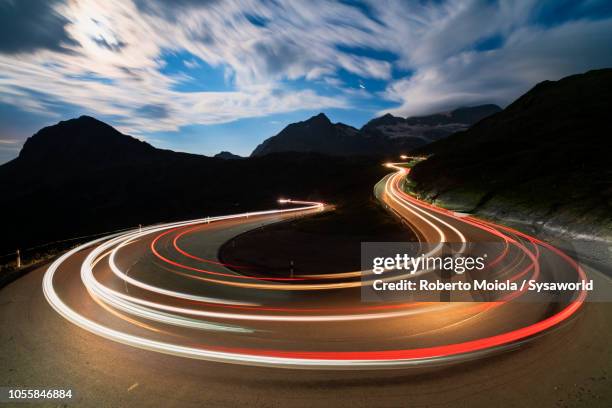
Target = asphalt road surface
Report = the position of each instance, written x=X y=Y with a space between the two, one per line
x=151 y=318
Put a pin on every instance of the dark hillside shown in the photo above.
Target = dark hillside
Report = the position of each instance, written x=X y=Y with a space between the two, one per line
x=82 y=176
x=545 y=156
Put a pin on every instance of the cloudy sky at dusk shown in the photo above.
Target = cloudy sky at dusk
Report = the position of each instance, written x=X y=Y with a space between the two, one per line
x=205 y=76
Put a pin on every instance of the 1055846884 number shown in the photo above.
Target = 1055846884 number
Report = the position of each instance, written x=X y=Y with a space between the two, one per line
x=36 y=394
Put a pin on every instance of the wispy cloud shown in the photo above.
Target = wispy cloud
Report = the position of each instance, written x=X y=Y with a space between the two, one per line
x=108 y=58
x=529 y=53
x=123 y=46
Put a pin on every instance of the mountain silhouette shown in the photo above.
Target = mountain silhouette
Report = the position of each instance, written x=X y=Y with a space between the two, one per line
x=227 y=155
x=317 y=134
x=83 y=140
x=385 y=135
x=82 y=176
x=546 y=156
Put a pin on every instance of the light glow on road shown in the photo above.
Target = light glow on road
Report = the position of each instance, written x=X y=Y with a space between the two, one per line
x=177 y=308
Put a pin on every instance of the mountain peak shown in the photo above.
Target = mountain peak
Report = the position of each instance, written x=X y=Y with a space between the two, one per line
x=315 y=134
x=321 y=117
x=383 y=135
x=83 y=139
x=86 y=118
x=227 y=155
x=384 y=120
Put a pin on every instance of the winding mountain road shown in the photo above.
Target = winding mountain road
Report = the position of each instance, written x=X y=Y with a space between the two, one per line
x=152 y=318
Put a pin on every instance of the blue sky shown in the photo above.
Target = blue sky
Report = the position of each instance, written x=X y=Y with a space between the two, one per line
x=206 y=76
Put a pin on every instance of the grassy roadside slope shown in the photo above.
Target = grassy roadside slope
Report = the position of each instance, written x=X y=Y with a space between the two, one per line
x=544 y=160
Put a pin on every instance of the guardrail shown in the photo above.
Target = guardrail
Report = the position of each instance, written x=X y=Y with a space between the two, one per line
x=14 y=264
x=24 y=257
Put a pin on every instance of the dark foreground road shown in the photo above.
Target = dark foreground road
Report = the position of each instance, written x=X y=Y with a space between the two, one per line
x=568 y=364
x=39 y=348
